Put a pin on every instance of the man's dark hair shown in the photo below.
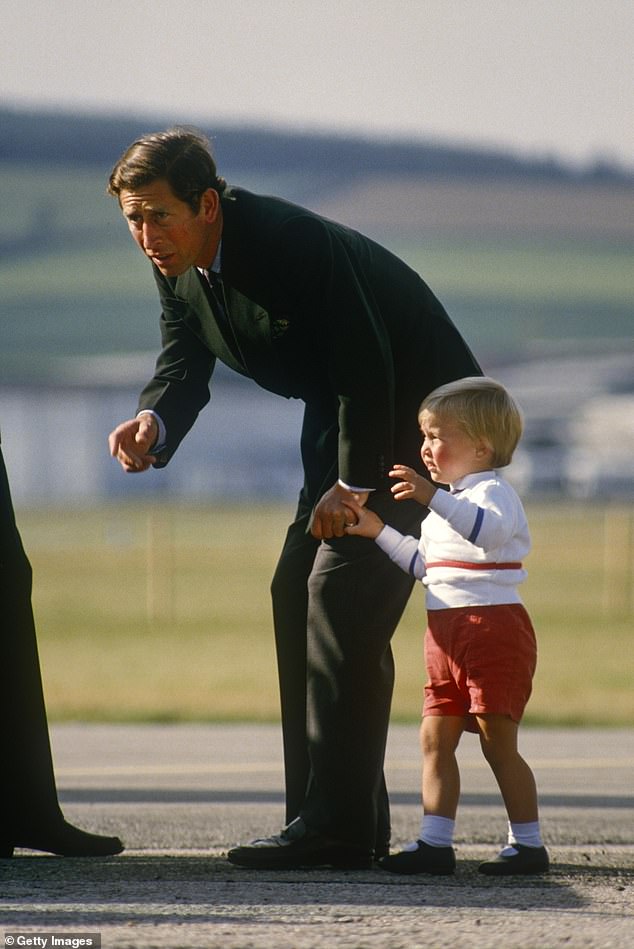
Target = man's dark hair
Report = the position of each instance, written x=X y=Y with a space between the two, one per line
x=181 y=156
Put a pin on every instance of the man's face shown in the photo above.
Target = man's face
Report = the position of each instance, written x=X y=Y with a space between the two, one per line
x=166 y=229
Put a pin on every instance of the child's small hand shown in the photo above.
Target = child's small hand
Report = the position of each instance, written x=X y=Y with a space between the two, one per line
x=368 y=523
x=411 y=485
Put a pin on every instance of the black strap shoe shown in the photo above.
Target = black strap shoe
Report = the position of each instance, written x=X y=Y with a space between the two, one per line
x=421 y=858
x=516 y=860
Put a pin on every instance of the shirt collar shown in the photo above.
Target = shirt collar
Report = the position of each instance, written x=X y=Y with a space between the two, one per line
x=215 y=265
x=216 y=261
x=469 y=480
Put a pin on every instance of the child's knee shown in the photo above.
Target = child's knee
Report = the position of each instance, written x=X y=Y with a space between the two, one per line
x=498 y=737
x=440 y=734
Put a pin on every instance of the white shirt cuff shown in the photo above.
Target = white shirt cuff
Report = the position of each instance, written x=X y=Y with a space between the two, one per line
x=161 y=438
x=356 y=490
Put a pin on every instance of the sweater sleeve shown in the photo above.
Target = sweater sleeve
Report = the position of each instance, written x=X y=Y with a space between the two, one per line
x=403 y=550
x=487 y=523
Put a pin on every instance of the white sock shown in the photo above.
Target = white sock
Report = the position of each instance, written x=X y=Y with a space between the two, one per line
x=527 y=834
x=437 y=831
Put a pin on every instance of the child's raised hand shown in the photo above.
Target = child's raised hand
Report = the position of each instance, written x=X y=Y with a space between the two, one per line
x=411 y=485
x=368 y=523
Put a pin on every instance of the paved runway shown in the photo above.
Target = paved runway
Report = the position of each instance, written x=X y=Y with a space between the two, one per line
x=181 y=795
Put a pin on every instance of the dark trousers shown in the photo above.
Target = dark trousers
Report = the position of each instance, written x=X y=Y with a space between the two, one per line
x=28 y=795
x=336 y=605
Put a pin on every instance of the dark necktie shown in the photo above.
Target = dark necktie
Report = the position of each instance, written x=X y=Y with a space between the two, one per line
x=215 y=285
x=214 y=282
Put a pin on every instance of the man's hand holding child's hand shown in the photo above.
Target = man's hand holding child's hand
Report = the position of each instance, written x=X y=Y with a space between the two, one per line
x=410 y=486
x=368 y=523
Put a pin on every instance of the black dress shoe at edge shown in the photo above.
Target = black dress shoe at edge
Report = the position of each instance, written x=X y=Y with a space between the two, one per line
x=437 y=861
x=381 y=850
x=297 y=846
x=63 y=840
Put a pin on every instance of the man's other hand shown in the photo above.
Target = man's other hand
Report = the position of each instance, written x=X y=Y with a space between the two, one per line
x=131 y=441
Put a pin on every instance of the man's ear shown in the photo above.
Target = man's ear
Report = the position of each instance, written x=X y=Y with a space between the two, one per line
x=210 y=205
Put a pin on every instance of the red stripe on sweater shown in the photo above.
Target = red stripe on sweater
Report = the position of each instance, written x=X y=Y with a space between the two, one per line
x=469 y=565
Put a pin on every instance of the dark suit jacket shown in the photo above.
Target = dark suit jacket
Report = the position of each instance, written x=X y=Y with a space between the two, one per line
x=318 y=312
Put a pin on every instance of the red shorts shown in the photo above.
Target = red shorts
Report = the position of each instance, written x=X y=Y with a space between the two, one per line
x=479 y=659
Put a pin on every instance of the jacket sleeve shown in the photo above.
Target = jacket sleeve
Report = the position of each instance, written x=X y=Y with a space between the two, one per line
x=179 y=388
x=324 y=282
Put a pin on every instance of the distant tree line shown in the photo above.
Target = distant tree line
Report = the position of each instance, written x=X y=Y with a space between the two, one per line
x=68 y=138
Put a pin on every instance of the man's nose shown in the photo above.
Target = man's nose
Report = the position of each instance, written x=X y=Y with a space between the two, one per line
x=149 y=233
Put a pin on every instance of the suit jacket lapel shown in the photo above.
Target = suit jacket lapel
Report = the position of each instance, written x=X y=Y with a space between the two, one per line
x=256 y=356
x=200 y=318
x=253 y=328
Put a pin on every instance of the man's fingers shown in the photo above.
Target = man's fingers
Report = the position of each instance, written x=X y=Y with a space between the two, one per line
x=130 y=442
x=133 y=464
x=113 y=443
x=315 y=528
x=333 y=513
x=327 y=526
x=353 y=512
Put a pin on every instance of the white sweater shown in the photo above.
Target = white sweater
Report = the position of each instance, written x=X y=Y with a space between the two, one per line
x=480 y=528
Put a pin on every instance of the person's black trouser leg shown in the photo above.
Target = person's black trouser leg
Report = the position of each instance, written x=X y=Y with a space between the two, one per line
x=30 y=815
x=290 y=606
x=28 y=792
x=336 y=605
x=356 y=598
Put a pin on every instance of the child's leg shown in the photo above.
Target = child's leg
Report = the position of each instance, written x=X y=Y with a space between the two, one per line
x=498 y=740
x=439 y=738
x=432 y=852
x=525 y=853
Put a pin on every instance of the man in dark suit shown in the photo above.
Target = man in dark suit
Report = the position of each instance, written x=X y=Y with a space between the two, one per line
x=30 y=815
x=311 y=310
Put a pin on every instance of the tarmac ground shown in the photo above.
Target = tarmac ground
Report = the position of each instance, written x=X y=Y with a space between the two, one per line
x=181 y=795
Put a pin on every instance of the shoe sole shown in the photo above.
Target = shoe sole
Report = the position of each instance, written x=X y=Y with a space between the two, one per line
x=431 y=871
x=502 y=870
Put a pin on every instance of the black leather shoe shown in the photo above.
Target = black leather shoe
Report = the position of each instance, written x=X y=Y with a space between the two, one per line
x=297 y=846
x=438 y=861
x=381 y=850
x=517 y=860
x=64 y=840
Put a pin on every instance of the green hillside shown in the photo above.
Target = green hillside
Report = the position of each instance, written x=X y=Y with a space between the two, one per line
x=74 y=284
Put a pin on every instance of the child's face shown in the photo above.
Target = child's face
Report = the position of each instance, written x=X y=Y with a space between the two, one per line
x=448 y=452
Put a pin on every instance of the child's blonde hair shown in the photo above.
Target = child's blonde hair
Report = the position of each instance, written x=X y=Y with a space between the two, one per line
x=484 y=410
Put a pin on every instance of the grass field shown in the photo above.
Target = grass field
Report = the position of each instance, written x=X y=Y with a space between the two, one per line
x=165 y=616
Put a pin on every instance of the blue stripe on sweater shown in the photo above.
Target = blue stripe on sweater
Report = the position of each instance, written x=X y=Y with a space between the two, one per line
x=476 y=527
x=412 y=563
